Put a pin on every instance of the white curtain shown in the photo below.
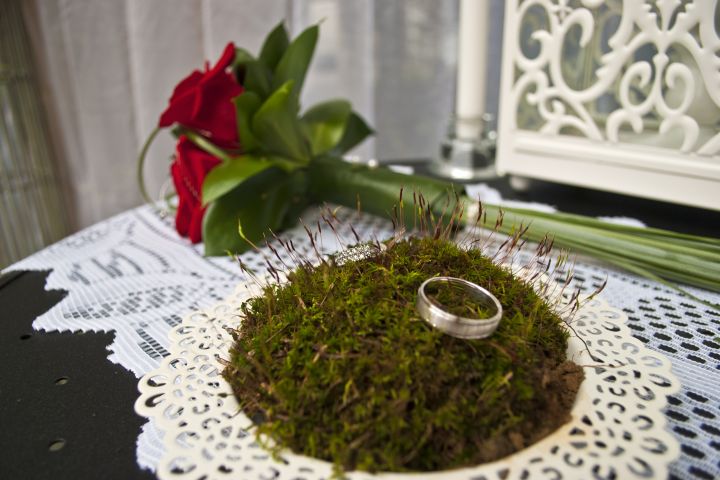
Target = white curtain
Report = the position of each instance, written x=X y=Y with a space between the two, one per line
x=110 y=65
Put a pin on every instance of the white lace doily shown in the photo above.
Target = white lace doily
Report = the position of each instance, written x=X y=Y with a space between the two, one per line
x=617 y=428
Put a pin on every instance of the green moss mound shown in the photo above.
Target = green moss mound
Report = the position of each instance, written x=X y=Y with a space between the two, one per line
x=336 y=364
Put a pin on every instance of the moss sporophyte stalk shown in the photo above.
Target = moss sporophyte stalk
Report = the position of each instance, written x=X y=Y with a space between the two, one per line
x=335 y=363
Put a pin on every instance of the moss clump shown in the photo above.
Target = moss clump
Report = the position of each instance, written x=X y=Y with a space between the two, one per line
x=335 y=364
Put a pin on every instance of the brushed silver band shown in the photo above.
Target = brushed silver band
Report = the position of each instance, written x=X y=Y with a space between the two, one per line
x=457 y=326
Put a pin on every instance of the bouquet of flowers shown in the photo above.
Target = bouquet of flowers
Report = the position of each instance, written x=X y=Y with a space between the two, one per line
x=248 y=160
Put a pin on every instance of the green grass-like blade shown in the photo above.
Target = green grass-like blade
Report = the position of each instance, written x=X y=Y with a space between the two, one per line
x=659 y=257
x=654 y=253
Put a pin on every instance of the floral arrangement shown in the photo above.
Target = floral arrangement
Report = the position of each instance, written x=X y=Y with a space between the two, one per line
x=247 y=162
x=244 y=148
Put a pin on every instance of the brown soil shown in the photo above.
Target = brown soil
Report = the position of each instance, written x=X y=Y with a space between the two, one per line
x=560 y=387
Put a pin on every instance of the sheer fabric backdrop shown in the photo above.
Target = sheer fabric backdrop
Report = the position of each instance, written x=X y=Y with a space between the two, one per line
x=110 y=66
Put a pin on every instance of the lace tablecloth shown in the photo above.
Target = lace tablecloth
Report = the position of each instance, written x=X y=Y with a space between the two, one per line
x=134 y=275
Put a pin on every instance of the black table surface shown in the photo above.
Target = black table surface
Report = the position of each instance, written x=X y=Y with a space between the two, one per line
x=67 y=412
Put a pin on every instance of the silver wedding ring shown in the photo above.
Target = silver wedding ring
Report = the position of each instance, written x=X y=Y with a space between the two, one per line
x=439 y=317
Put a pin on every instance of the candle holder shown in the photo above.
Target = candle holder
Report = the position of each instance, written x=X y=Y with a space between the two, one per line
x=468 y=151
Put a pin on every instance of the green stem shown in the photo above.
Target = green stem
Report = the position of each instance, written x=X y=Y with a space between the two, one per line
x=653 y=253
x=141 y=165
x=647 y=232
x=691 y=263
x=643 y=272
x=206 y=145
x=374 y=189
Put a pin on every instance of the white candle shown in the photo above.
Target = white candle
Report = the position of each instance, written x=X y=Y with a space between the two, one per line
x=472 y=66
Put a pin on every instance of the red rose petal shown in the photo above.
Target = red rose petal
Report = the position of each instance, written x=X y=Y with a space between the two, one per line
x=225 y=60
x=189 y=170
x=180 y=104
x=196 y=225
x=187 y=84
x=203 y=102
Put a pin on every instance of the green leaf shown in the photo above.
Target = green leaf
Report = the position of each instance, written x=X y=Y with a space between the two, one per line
x=260 y=204
x=356 y=131
x=274 y=46
x=295 y=61
x=242 y=58
x=229 y=175
x=258 y=78
x=277 y=127
x=246 y=105
x=325 y=124
x=203 y=143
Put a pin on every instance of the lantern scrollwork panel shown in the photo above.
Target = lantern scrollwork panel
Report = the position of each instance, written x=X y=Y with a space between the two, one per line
x=619 y=95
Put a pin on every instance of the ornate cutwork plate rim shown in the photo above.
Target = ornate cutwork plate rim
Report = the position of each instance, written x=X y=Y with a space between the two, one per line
x=617 y=421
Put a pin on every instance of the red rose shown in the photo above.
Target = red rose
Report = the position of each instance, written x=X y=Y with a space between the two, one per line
x=188 y=171
x=203 y=101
